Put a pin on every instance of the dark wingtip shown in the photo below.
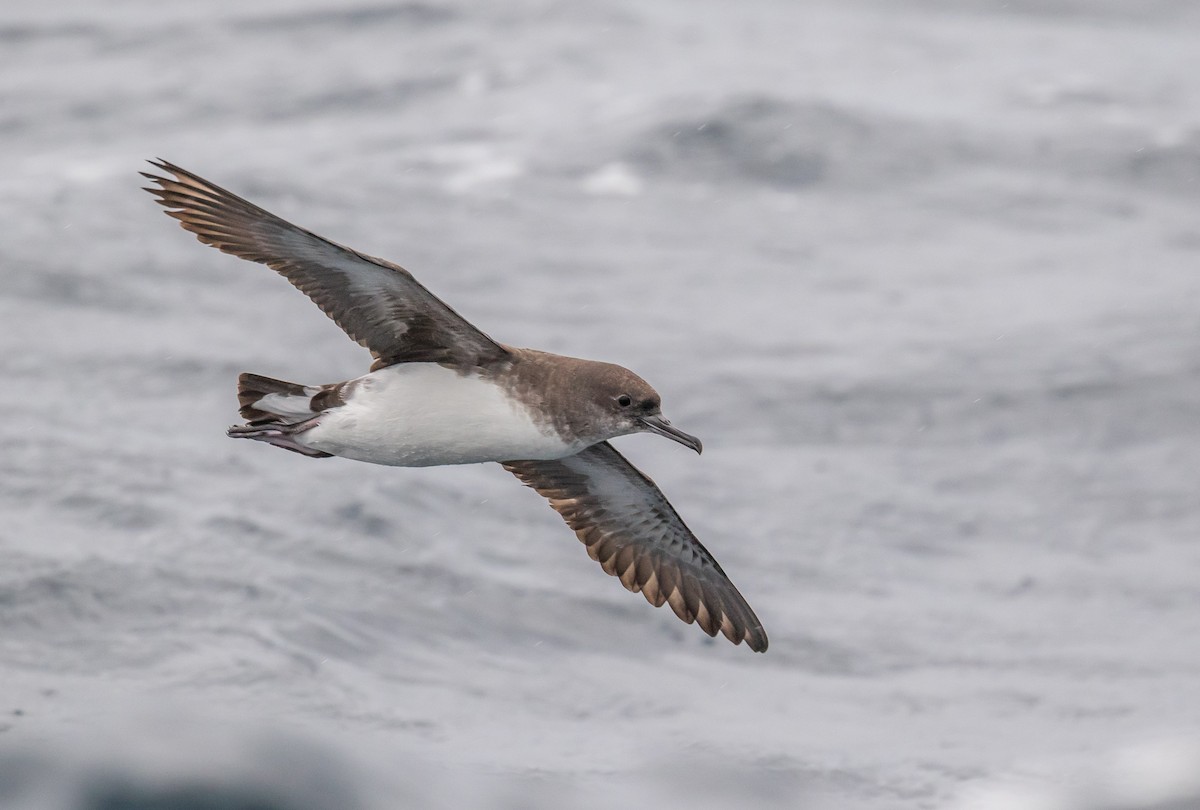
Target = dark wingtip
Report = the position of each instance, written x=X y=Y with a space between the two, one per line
x=757 y=640
x=166 y=166
x=154 y=178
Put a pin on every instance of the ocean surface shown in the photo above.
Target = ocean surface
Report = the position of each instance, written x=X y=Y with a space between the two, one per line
x=924 y=276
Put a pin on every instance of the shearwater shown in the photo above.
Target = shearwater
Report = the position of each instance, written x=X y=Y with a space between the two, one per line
x=442 y=392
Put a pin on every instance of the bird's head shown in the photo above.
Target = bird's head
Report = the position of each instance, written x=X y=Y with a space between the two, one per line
x=622 y=403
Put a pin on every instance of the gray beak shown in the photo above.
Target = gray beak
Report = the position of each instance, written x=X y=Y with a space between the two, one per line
x=656 y=424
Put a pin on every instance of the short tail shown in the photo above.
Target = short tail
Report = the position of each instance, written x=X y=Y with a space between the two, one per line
x=265 y=400
x=277 y=411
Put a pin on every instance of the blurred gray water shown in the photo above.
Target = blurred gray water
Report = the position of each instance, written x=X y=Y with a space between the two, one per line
x=923 y=276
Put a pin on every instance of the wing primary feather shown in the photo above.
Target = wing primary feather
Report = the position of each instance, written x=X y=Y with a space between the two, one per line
x=633 y=532
x=374 y=301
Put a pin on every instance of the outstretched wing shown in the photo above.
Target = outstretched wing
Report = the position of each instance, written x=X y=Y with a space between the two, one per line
x=631 y=529
x=377 y=303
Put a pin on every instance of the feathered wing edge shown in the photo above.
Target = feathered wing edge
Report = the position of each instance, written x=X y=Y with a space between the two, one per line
x=378 y=304
x=630 y=528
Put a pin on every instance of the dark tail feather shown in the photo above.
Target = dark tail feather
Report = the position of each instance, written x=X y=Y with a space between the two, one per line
x=253 y=387
x=277 y=411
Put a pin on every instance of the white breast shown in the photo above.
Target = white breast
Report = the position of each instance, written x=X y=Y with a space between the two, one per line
x=422 y=414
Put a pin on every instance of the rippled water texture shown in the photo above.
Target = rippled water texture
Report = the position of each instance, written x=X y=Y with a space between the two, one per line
x=924 y=277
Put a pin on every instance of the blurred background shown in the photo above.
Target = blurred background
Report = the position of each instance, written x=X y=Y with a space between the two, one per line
x=922 y=275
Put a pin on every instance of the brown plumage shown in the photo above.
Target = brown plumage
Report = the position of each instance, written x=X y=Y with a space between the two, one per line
x=630 y=528
x=253 y=387
x=377 y=303
x=624 y=521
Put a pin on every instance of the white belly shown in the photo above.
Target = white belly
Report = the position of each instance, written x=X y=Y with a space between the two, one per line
x=421 y=414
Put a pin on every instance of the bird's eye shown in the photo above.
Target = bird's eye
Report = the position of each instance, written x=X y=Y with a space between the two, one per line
x=624 y=400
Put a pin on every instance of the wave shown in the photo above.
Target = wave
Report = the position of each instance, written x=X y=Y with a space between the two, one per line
x=791 y=145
